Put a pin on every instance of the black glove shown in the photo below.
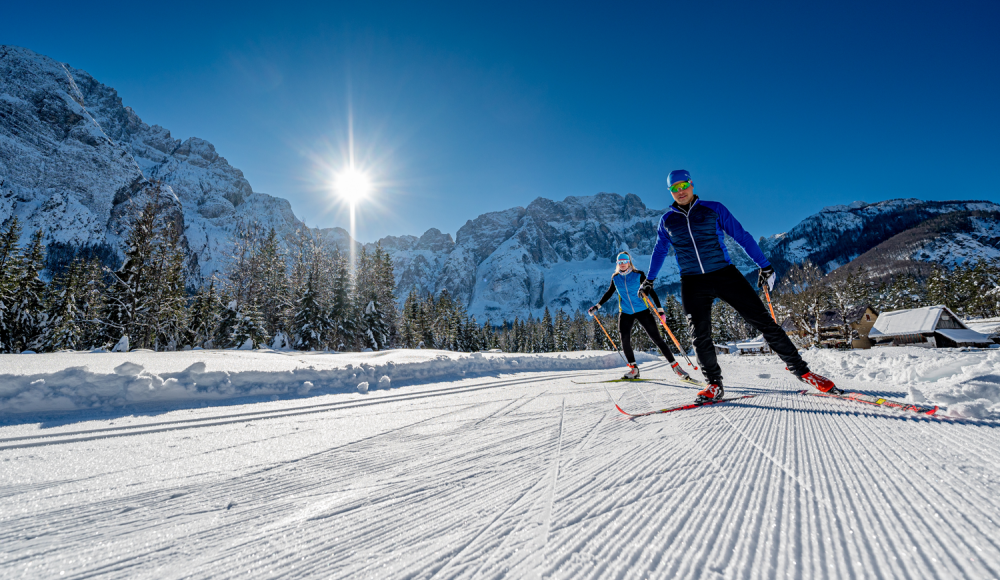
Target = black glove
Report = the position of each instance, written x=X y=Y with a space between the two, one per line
x=766 y=276
x=647 y=287
x=593 y=309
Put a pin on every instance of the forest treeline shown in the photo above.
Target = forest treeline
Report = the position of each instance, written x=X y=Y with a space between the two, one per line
x=309 y=298
x=306 y=298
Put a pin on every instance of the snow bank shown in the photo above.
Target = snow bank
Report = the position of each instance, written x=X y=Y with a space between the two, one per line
x=965 y=382
x=75 y=381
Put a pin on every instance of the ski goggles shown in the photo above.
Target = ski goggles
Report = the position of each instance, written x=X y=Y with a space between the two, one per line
x=624 y=263
x=680 y=186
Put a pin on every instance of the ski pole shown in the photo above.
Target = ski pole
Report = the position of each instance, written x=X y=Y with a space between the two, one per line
x=597 y=318
x=667 y=328
x=768 y=296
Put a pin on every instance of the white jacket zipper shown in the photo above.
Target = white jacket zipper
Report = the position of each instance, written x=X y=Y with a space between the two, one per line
x=693 y=243
x=627 y=293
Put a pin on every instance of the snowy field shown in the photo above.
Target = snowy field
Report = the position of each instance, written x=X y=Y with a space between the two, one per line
x=233 y=463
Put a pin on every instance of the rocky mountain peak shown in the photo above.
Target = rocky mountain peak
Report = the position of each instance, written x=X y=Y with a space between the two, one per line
x=76 y=162
x=434 y=241
x=838 y=234
x=73 y=158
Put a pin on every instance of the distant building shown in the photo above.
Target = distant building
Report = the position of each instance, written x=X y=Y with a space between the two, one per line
x=728 y=348
x=754 y=346
x=931 y=327
x=833 y=332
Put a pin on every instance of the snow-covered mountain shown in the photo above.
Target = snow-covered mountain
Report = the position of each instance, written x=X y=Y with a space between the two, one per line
x=552 y=254
x=838 y=234
x=74 y=161
x=961 y=237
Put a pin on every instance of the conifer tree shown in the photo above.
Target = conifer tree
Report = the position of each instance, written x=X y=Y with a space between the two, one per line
x=29 y=316
x=548 y=338
x=249 y=327
x=205 y=317
x=308 y=330
x=443 y=323
x=10 y=265
x=92 y=296
x=410 y=330
x=938 y=287
x=167 y=310
x=343 y=323
x=228 y=321
x=64 y=331
x=560 y=332
x=376 y=327
x=275 y=296
x=597 y=339
x=985 y=287
x=131 y=294
x=903 y=292
x=673 y=312
x=804 y=297
x=728 y=325
x=384 y=285
x=472 y=335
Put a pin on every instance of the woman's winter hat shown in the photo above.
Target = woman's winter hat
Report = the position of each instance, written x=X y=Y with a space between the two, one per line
x=678 y=175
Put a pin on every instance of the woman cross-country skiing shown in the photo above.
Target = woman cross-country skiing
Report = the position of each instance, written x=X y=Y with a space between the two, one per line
x=626 y=281
x=696 y=229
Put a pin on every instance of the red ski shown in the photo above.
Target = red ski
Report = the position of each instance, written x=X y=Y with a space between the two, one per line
x=877 y=402
x=680 y=408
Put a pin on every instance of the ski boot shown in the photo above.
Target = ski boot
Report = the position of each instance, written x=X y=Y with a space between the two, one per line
x=713 y=392
x=822 y=384
x=680 y=372
x=633 y=372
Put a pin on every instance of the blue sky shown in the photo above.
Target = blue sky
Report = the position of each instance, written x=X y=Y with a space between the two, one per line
x=776 y=108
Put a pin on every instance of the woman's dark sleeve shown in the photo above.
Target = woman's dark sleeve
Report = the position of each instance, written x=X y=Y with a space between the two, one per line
x=652 y=293
x=607 y=295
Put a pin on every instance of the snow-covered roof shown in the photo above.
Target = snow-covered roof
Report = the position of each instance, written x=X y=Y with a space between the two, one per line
x=912 y=321
x=964 y=336
x=984 y=325
x=758 y=342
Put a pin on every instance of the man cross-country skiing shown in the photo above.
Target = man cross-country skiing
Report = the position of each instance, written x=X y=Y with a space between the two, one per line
x=697 y=231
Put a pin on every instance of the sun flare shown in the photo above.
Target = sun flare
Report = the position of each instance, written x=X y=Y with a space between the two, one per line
x=352 y=185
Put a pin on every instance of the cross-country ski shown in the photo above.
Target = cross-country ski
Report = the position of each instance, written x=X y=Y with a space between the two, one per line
x=679 y=407
x=876 y=401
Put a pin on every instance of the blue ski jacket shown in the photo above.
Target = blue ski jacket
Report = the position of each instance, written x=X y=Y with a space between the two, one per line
x=627 y=286
x=698 y=238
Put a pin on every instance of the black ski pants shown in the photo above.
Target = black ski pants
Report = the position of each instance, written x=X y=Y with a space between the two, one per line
x=699 y=291
x=648 y=322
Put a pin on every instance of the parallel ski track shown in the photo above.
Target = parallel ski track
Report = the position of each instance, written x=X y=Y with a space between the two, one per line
x=161 y=426
x=361 y=454
x=837 y=519
x=780 y=486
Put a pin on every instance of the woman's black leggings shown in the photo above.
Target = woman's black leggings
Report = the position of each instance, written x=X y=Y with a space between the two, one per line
x=648 y=322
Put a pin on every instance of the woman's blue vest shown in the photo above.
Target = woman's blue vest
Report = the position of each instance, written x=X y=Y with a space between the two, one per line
x=627 y=286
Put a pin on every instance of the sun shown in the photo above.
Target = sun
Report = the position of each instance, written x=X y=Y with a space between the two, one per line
x=352 y=185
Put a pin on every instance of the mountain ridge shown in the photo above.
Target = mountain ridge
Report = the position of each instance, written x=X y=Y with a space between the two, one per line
x=74 y=161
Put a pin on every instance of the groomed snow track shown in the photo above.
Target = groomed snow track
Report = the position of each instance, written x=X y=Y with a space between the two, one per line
x=525 y=476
